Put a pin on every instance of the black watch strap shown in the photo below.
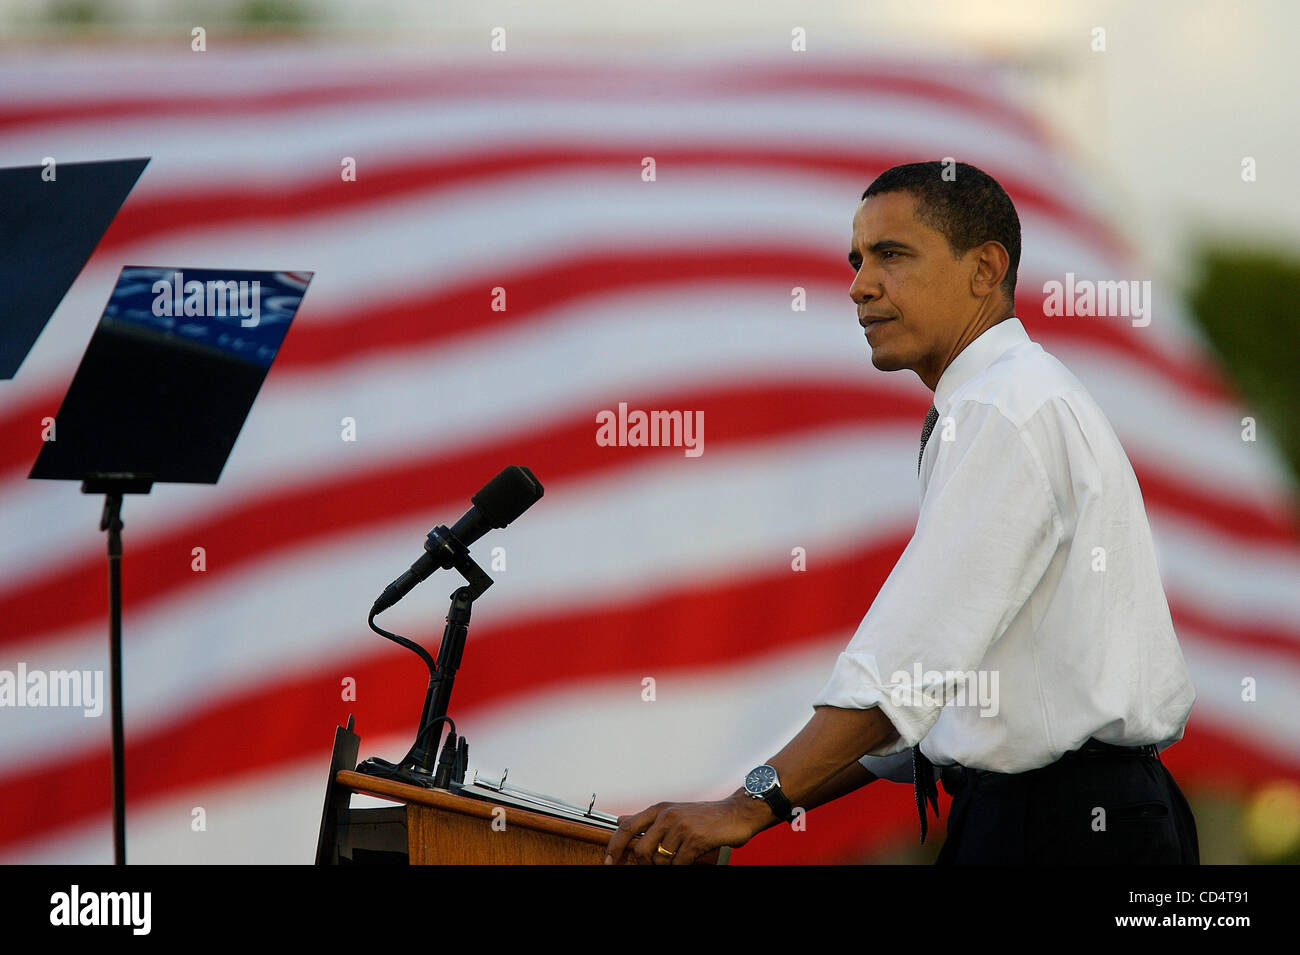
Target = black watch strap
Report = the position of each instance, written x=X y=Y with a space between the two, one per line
x=779 y=803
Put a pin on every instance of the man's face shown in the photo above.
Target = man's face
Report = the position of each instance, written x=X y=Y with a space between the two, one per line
x=908 y=278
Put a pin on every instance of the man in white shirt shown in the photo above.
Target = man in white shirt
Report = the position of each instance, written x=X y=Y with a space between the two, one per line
x=1022 y=643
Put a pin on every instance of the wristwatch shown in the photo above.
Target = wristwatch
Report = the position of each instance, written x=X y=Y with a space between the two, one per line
x=761 y=783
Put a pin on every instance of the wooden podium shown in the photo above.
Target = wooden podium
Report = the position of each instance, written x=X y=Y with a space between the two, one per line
x=437 y=827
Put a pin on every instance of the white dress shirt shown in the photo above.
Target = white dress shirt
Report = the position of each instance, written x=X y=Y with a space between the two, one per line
x=1026 y=614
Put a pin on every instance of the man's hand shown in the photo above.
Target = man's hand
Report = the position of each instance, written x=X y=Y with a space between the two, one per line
x=688 y=829
x=818 y=765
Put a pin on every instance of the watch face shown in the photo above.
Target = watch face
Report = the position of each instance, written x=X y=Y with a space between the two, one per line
x=760 y=780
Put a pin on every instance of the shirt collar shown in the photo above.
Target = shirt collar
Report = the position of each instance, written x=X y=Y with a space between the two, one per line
x=977 y=356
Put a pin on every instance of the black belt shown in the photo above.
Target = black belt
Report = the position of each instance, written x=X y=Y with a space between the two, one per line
x=956 y=777
x=1095 y=747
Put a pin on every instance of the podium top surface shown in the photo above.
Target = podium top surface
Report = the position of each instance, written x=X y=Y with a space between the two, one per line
x=442 y=799
x=483 y=809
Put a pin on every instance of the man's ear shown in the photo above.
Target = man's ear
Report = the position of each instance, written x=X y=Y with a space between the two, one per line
x=991 y=264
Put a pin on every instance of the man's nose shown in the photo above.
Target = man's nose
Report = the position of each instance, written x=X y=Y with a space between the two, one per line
x=863 y=289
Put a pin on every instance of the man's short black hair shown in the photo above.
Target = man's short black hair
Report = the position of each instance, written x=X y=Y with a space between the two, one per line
x=968 y=208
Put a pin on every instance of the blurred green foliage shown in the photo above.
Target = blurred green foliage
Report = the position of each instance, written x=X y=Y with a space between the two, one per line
x=250 y=13
x=75 y=12
x=273 y=12
x=1247 y=301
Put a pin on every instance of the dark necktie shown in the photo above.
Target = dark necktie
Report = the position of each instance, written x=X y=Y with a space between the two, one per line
x=922 y=769
x=931 y=417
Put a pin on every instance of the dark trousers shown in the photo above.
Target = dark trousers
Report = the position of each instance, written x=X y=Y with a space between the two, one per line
x=1088 y=808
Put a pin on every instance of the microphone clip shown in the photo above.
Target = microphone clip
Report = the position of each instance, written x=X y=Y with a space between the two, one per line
x=448 y=552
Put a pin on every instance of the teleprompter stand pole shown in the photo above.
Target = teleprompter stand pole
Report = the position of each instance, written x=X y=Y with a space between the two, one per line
x=113 y=486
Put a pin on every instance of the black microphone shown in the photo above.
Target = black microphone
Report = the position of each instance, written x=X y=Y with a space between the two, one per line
x=497 y=503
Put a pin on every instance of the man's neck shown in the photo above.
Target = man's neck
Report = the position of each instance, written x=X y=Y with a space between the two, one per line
x=977 y=327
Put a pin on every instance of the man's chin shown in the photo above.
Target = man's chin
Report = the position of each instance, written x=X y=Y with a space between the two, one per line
x=885 y=360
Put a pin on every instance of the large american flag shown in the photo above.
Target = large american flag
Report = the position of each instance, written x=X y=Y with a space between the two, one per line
x=479 y=172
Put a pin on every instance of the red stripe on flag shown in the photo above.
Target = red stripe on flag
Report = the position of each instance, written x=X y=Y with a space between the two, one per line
x=307 y=512
x=426 y=319
x=249 y=734
x=149 y=215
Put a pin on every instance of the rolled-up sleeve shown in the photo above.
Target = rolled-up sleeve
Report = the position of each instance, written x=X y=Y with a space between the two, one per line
x=987 y=530
x=896 y=768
